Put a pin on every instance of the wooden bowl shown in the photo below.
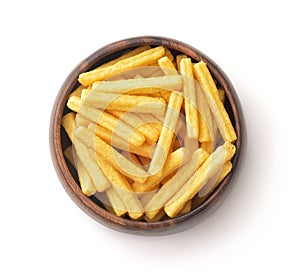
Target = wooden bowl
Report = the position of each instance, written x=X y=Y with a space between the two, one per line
x=68 y=177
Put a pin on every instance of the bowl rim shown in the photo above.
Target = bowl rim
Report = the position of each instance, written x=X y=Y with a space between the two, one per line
x=99 y=214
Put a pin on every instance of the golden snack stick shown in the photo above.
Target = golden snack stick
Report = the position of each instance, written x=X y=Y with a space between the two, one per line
x=115 y=201
x=85 y=92
x=167 y=66
x=173 y=185
x=158 y=217
x=99 y=180
x=111 y=155
x=87 y=186
x=222 y=94
x=190 y=100
x=81 y=121
x=213 y=163
x=139 y=86
x=116 y=141
x=126 y=103
x=85 y=181
x=150 y=132
x=173 y=162
x=142 y=59
x=77 y=91
x=208 y=146
x=213 y=99
x=129 y=54
x=169 y=54
x=165 y=95
x=123 y=189
x=164 y=142
x=146 y=196
x=107 y=120
x=178 y=60
x=68 y=153
x=150 y=118
x=74 y=103
x=68 y=122
x=206 y=121
x=215 y=180
x=186 y=208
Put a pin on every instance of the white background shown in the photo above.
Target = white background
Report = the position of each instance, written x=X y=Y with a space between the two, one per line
x=256 y=230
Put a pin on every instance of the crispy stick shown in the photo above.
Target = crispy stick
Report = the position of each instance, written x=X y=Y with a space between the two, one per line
x=213 y=163
x=142 y=59
x=173 y=162
x=148 y=129
x=99 y=180
x=167 y=66
x=114 y=140
x=125 y=103
x=189 y=92
x=122 y=188
x=86 y=183
x=164 y=142
x=169 y=189
x=106 y=120
x=140 y=85
x=213 y=99
x=112 y=156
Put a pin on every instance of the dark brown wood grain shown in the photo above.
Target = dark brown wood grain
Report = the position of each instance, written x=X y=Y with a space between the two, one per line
x=59 y=140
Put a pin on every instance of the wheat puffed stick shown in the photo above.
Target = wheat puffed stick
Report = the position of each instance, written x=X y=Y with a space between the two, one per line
x=217 y=108
x=123 y=189
x=222 y=94
x=106 y=120
x=215 y=180
x=68 y=153
x=158 y=217
x=146 y=57
x=206 y=128
x=178 y=60
x=211 y=184
x=114 y=140
x=148 y=129
x=186 y=208
x=167 y=66
x=212 y=164
x=173 y=162
x=84 y=179
x=129 y=54
x=77 y=91
x=111 y=155
x=81 y=120
x=125 y=103
x=115 y=201
x=87 y=186
x=68 y=122
x=99 y=180
x=139 y=86
x=165 y=139
x=190 y=102
x=168 y=190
